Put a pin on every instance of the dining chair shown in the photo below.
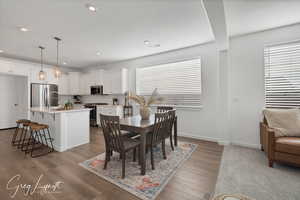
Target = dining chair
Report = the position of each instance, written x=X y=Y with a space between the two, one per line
x=164 y=108
x=160 y=129
x=171 y=121
x=116 y=141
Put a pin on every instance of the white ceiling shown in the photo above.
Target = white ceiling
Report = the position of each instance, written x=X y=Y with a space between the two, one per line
x=118 y=30
x=248 y=16
x=120 y=27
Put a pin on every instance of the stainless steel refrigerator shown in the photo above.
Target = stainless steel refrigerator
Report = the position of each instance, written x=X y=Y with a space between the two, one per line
x=44 y=95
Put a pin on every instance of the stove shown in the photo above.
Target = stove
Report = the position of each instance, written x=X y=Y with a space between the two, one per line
x=93 y=112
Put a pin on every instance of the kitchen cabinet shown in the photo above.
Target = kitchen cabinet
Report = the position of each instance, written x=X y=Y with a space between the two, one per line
x=63 y=85
x=74 y=83
x=98 y=77
x=114 y=110
x=107 y=82
x=115 y=81
x=7 y=67
x=85 y=83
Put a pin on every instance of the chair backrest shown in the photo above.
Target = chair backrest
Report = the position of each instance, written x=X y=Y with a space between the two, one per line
x=160 y=128
x=171 y=120
x=164 y=108
x=111 y=131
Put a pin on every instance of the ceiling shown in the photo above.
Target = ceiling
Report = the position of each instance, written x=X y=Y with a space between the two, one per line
x=248 y=16
x=119 y=27
x=117 y=30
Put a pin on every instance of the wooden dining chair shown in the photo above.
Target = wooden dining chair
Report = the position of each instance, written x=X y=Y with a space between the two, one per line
x=171 y=121
x=158 y=135
x=116 y=141
x=164 y=108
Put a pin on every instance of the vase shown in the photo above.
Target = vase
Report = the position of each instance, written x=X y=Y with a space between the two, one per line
x=145 y=112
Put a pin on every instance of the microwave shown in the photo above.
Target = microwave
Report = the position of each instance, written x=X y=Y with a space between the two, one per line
x=97 y=90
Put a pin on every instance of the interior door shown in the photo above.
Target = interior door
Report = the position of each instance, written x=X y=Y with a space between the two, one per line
x=8 y=102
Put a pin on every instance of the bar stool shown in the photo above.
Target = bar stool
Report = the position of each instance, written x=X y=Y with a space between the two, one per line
x=15 y=140
x=24 y=139
x=40 y=139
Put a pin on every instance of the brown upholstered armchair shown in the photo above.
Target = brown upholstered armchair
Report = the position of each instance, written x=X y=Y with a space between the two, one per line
x=280 y=149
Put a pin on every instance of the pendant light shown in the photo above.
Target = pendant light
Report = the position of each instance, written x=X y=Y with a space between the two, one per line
x=57 y=71
x=42 y=74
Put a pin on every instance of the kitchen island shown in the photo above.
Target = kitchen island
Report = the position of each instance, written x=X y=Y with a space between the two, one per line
x=68 y=128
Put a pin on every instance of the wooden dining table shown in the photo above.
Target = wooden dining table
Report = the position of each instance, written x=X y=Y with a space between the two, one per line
x=143 y=127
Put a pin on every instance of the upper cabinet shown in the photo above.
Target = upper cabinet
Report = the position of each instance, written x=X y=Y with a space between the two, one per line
x=19 y=69
x=74 y=83
x=64 y=85
x=115 y=81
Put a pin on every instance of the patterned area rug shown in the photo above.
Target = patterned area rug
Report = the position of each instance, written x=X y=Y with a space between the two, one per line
x=146 y=187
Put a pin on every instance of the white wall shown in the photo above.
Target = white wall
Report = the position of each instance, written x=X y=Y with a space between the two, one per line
x=194 y=123
x=247 y=81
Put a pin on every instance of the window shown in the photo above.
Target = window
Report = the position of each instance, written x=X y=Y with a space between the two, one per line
x=179 y=83
x=282 y=75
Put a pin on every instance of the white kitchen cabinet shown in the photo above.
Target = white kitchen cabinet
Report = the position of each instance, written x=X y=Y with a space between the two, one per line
x=63 y=85
x=98 y=77
x=115 y=110
x=115 y=81
x=107 y=82
x=85 y=83
x=74 y=83
x=7 y=67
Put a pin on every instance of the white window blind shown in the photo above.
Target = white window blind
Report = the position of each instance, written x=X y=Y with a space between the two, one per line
x=282 y=75
x=179 y=83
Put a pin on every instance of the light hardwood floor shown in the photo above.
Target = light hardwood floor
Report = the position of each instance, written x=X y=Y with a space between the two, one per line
x=195 y=179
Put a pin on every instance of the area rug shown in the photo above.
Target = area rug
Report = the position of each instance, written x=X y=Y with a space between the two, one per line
x=146 y=187
x=245 y=171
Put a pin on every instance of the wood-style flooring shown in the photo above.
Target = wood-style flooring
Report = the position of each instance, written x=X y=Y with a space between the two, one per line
x=195 y=179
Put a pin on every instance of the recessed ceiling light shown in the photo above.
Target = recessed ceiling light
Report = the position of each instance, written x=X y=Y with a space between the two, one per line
x=65 y=63
x=23 y=29
x=146 y=42
x=98 y=53
x=91 y=7
x=1 y=51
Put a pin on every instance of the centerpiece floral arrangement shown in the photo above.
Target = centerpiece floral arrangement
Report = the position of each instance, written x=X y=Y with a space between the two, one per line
x=145 y=103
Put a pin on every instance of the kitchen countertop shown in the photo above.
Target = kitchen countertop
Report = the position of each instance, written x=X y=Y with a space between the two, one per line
x=54 y=110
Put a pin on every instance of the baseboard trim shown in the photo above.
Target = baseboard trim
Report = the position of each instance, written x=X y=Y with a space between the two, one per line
x=3 y=129
x=188 y=135
x=252 y=146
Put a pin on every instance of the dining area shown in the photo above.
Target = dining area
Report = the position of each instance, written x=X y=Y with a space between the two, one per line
x=140 y=136
x=140 y=156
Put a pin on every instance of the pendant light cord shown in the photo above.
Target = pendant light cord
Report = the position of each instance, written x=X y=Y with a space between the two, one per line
x=42 y=48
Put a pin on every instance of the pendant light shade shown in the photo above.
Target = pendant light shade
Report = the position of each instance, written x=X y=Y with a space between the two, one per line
x=42 y=74
x=57 y=71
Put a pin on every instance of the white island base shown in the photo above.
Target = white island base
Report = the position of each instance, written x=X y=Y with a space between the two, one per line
x=68 y=128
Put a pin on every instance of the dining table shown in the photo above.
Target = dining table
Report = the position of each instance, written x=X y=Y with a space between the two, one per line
x=143 y=127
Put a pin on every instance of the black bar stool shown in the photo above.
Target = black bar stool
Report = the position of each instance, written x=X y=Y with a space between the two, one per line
x=40 y=140
x=16 y=139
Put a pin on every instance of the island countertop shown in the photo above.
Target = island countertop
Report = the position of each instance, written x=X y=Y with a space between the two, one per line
x=54 y=110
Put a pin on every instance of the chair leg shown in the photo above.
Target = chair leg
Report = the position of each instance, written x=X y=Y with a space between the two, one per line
x=14 y=138
x=107 y=158
x=163 y=145
x=152 y=158
x=21 y=137
x=50 y=138
x=271 y=163
x=123 y=165
x=134 y=155
x=171 y=142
